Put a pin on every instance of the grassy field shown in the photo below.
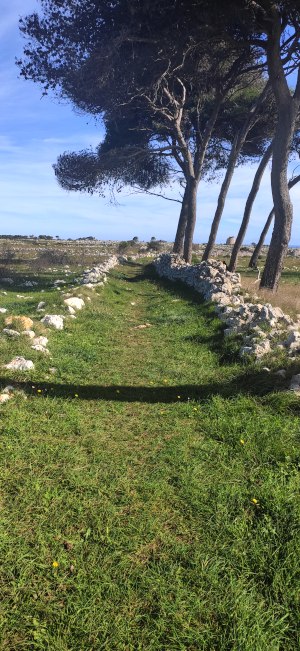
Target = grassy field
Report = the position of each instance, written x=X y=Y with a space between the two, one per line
x=148 y=485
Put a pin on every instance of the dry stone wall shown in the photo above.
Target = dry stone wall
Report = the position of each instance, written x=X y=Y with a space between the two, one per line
x=263 y=328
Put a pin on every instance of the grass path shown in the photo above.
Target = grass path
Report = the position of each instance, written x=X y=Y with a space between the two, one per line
x=148 y=489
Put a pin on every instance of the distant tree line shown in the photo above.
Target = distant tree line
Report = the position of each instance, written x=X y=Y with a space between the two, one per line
x=185 y=90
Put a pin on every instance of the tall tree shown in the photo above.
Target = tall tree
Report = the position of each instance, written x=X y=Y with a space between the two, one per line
x=242 y=135
x=274 y=27
x=81 y=50
x=248 y=207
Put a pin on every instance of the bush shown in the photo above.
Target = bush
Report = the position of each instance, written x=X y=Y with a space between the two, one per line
x=155 y=245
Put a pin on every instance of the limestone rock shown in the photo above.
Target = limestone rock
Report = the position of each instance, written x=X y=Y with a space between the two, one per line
x=55 y=321
x=41 y=349
x=75 y=303
x=29 y=283
x=4 y=397
x=40 y=341
x=20 y=364
x=14 y=334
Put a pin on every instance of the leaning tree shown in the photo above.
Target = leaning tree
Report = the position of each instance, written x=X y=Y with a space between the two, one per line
x=274 y=28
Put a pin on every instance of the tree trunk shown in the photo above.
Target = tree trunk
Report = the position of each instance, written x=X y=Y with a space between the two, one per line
x=179 y=239
x=191 y=221
x=260 y=243
x=248 y=208
x=221 y=199
x=258 y=248
x=236 y=149
x=288 y=107
x=283 y=207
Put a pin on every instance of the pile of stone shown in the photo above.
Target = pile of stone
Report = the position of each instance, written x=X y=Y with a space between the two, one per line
x=97 y=275
x=263 y=328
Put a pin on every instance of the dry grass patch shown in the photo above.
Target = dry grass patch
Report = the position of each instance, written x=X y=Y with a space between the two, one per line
x=287 y=297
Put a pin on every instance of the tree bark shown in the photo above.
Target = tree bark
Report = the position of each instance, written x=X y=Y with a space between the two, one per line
x=221 y=199
x=283 y=207
x=191 y=220
x=288 y=107
x=194 y=178
x=260 y=243
x=180 y=233
x=237 y=146
x=248 y=207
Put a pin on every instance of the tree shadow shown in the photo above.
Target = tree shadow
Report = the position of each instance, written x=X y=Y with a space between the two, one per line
x=251 y=383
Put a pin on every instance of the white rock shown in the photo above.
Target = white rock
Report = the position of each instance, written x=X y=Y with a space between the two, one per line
x=4 y=397
x=40 y=341
x=20 y=364
x=3 y=310
x=261 y=348
x=70 y=309
x=53 y=321
x=41 y=305
x=75 y=302
x=41 y=349
x=11 y=333
x=29 y=283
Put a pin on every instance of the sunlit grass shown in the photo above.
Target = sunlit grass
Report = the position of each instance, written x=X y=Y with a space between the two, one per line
x=148 y=487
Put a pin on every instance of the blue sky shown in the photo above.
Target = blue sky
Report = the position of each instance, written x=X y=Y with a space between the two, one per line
x=35 y=130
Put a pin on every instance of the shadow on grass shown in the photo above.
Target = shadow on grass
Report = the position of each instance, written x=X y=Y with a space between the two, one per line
x=250 y=383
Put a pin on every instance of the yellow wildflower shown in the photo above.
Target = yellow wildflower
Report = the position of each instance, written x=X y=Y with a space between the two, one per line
x=55 y=564
x=254 y=500
x=242 y=442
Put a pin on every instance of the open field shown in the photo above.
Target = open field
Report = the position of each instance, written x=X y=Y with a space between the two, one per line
x=148 y=479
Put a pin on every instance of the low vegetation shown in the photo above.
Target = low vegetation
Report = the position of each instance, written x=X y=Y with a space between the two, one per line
x=148 y=484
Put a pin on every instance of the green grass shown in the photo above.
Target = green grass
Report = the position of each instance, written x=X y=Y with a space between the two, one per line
x=134 y=468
